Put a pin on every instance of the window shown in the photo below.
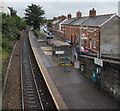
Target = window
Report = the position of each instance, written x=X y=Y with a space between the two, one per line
x=90 y=43
x=94 y=43
x=94 y=33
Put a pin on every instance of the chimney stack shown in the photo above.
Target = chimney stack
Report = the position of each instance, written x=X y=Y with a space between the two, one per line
x=63 y=17
x=78 y=14
x=92 y=13
x=54 y=19
x=69 y=16
x=59 y=17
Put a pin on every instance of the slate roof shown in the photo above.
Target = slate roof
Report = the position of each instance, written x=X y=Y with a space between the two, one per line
x=58 y=21
x=67 y=22
x=86 y=21
x=97 y=20
x=79 y=21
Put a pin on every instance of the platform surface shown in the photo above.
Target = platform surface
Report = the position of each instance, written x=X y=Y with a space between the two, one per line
x=76 y=90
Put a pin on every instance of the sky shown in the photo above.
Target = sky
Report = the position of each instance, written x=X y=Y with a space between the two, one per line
x=54 y=9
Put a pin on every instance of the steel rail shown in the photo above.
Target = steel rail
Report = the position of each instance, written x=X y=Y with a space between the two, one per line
x=36 y=83
x=22 y=98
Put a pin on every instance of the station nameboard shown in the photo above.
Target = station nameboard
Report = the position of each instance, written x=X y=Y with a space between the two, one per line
x=59 y=52
x=98 y=62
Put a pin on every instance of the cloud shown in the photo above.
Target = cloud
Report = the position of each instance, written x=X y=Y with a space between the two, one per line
x=53 y=9
x=61 y=1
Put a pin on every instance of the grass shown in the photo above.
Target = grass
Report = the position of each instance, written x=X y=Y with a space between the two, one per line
x=39 y=34
x=0 y=63
x=5 y=54
x=3 y=68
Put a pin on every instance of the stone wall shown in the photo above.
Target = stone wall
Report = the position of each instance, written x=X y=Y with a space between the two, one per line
x=110 y=73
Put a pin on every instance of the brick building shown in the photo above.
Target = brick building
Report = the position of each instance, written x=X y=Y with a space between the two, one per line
x=68 y=30
x=57 y=26
x=99 y=31
x=94 y=31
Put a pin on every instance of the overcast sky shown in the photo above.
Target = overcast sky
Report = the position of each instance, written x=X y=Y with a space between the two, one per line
x=54 y=9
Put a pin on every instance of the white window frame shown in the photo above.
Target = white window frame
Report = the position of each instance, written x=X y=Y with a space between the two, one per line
x=95 y=43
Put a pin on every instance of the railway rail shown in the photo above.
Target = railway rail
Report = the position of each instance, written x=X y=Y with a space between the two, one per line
x=35 y=95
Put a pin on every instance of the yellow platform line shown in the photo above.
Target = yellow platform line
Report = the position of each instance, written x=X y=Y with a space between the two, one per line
x=41 y=68
x=48 y=50
x=65 y=64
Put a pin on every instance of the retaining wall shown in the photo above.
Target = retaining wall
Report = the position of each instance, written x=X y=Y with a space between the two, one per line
x=110 y=73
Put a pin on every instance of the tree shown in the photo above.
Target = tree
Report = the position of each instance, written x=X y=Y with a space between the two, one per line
x=34 y=15
x=12 y=11
x=11 y=26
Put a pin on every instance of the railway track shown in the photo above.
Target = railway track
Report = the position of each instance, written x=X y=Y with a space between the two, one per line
x=34 y=97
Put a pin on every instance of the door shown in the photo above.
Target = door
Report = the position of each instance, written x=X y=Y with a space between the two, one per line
x=90 y=43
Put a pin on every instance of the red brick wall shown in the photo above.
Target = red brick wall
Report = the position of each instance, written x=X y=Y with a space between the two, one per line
x=92 y=34
x=72 y=33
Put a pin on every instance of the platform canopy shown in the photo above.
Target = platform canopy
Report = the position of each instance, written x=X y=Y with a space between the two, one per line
x=59 y=43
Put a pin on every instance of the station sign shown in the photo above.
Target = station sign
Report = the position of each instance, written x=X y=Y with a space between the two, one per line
x=98 y=62
x=59 y=52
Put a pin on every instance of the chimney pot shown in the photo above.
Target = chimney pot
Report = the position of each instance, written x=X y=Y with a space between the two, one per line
x=92 y=13
x=69 y=16
x=78 y=14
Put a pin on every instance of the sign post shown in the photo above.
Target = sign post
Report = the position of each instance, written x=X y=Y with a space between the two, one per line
x=62 y=52
x=64 y=62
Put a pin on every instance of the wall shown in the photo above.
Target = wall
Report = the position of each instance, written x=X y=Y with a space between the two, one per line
x=109 y=37
x=92 y=33
x=110 y=73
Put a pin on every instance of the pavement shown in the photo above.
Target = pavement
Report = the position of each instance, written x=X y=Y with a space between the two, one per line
x=70 y=89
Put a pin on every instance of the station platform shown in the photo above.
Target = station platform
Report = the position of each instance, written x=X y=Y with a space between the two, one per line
x=69 y=89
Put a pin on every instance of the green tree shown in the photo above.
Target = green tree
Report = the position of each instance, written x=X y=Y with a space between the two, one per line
x=34 y=15
x=12 y=11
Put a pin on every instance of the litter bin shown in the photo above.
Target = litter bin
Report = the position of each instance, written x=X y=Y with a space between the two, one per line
x=82 y=67
x=96 y=77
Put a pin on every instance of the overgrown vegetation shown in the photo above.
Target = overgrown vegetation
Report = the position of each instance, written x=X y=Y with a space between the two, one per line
x=39 y=34
x=11 y=27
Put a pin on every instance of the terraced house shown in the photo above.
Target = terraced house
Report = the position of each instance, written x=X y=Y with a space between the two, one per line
x=57 y=26
x=94 y=32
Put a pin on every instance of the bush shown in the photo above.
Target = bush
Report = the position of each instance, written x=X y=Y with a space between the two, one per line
x=39 y=34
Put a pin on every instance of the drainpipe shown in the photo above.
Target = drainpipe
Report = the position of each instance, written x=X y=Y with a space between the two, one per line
x=81 y=29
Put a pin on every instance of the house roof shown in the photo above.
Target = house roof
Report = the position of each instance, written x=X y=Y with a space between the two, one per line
x=68 y=21
x=79 y=21
x=97 y=20
x=58 y=21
